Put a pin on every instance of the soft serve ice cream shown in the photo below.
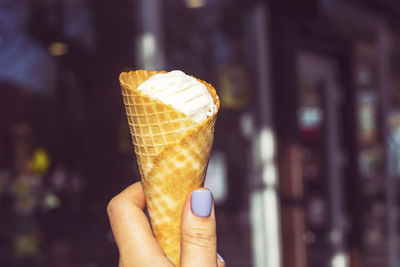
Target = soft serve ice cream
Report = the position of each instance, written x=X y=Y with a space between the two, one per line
x=181 y=91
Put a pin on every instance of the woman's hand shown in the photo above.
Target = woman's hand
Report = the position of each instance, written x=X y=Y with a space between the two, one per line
x=137 y=245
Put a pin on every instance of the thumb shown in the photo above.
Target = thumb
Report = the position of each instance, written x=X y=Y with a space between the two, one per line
x=198 y=231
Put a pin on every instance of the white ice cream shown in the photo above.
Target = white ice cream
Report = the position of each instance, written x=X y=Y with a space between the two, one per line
x=181 y=91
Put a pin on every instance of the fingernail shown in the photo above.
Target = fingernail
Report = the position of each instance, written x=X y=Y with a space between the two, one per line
x=220 y=257
x=201 y=203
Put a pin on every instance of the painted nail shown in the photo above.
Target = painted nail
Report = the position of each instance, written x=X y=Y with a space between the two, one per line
x=220 y=257
x=201 y=203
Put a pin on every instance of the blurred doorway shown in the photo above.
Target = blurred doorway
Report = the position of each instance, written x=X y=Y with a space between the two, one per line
x=319 y=122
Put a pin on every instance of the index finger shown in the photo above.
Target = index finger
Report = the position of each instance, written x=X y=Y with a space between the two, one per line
x=136 y=243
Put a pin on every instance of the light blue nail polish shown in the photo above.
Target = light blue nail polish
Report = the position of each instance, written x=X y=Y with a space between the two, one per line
x=201 y=203
x=220 y=257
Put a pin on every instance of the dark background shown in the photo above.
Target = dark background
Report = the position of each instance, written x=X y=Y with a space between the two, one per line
x=331 y=103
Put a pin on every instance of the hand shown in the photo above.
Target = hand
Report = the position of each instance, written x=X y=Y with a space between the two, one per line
x=137 y=245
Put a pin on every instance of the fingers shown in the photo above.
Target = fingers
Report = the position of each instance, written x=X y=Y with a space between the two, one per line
x=136 y=243
x=198 y=231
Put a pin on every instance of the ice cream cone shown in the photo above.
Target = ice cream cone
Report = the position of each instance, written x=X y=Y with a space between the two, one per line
x=172 y=153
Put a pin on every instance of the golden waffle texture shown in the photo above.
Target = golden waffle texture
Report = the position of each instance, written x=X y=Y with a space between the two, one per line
x=172 y=152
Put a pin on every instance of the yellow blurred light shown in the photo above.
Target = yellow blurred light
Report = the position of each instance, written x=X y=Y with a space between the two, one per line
x=58 y=49
x=27 y=244
x=40 y=162
x=195 y=3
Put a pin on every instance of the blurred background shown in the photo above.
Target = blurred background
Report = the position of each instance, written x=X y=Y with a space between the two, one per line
x=305 y=167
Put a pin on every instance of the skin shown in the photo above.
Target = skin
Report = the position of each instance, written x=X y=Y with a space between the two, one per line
x=137 y=245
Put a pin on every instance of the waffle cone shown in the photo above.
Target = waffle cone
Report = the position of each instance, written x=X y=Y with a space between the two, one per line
x=172 y=153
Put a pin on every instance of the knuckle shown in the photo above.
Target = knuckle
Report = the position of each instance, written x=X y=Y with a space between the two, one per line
x=199 y=237
x=113 y=206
